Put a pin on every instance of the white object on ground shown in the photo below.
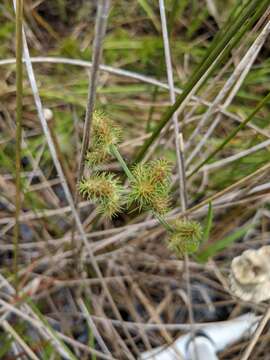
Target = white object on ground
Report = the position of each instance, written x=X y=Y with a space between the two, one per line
x=209 y=340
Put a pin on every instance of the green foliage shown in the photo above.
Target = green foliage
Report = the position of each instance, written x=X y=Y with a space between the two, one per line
x=208 y=224
x=150 y=13
x=6 y=31
x=213 y=249
x=69 y=46
x=186 y=237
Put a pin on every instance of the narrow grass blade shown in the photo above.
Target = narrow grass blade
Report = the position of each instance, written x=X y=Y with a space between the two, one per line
x=150 y=13
x=209 y=223
x=222 y=244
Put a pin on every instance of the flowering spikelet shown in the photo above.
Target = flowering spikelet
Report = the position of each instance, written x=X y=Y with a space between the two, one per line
x=160 y=170
x=186 y=237
x=150 y=187
x=104 y=190
x=104 y=134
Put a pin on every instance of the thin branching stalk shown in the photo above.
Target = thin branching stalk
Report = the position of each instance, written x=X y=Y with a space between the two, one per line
x=19 y=104
x=122 y=162
x=163 y=222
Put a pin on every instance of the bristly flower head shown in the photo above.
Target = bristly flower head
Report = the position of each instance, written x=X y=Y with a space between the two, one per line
x=186 y=237
x=151 y=185
x=104 y=134
x=104 y=190
x=161 y=171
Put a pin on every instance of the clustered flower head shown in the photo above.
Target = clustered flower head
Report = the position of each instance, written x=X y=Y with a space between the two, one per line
x=186 y=237
x=104 y=134
x=105 y=190
x=150 y=186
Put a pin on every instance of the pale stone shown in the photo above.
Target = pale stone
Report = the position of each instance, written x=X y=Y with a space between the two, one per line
x=250 y=275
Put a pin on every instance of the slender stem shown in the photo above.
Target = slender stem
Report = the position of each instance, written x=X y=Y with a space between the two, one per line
x=100 y=30
x=19 y=99
x=179 y=148
x=122 y=162
x=163 y=222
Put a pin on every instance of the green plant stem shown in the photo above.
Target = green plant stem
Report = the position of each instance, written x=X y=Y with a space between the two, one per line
x=19 y=99
x=216 y=54
x=232 y=134
x=163 y=222
x=122 y=162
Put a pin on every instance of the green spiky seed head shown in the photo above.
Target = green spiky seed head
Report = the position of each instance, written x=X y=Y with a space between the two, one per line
x=186 y=237
x=104 y=134
x=142 y=189
x=105 y=191
x=161 y=204
x=150 y=187
x=160 y=171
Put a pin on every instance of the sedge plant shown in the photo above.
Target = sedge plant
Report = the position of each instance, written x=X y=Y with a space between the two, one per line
x=148 y=187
